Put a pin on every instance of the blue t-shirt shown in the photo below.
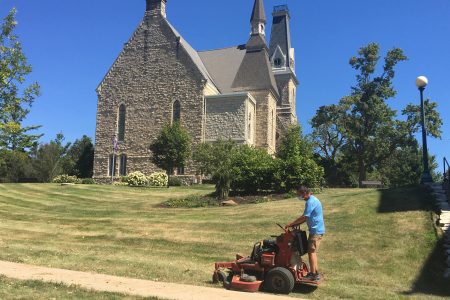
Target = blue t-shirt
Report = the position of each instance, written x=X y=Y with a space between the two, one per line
x=313 y=210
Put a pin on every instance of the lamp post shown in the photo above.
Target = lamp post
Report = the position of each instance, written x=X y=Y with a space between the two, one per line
x=421 y=83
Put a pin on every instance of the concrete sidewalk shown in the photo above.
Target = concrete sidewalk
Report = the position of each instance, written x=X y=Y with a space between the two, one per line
x=145 y=288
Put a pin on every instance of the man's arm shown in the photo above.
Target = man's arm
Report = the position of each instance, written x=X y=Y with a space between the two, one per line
x=297 y=221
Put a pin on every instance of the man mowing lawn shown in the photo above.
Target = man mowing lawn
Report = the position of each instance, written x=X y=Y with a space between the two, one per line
x=313 y=216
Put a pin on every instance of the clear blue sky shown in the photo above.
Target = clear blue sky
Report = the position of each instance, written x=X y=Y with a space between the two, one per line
x=72 y=44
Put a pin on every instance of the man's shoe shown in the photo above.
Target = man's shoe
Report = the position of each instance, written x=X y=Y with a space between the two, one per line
x=317 y=277
x=310 y=276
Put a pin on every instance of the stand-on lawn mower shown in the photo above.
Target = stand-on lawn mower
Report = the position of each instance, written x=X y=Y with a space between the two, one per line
x=274 y=265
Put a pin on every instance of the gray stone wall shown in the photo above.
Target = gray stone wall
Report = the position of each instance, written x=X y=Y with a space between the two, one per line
x=151 y=73
x=265 y=125
x=286 y=109
x=226 y=118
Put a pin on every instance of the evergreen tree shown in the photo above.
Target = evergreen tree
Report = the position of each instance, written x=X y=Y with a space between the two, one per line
x=79 y=160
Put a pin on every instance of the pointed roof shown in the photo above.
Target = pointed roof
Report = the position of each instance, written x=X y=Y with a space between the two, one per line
x=255 y=73
x=258 y=14
x=281 y=33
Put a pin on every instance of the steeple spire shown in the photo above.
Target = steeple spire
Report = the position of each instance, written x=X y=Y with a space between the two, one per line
x=258 y=19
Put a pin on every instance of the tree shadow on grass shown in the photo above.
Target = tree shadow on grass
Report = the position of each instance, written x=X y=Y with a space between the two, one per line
x=430 y=280
x=413 y=198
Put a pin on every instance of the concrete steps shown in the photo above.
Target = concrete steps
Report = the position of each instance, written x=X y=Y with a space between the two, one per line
x=443 y=206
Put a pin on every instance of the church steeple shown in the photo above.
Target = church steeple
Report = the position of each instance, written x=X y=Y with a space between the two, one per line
x=257 y=41
x=156 y=7
x=258 y=19
x=281 y=53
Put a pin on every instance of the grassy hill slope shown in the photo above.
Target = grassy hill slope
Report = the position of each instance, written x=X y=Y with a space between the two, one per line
x=378 y=245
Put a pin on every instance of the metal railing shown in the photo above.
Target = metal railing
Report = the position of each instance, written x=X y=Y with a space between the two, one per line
x=446 y=174
x=280 y=8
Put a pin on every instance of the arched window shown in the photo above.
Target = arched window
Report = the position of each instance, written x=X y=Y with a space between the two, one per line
x=112 y=165
x=121 y=123
x=250 y=125
x=272 y=125
x=176 y=111
x=123 y=165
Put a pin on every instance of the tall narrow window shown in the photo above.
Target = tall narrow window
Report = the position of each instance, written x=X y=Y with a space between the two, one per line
x=112 y=165
x=180 y=170
x=123 y=165
x=176 y=111
x=250 y=126
x=121 y=125
x=272 y=129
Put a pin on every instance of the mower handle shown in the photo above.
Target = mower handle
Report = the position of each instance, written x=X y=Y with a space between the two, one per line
x=280 y=226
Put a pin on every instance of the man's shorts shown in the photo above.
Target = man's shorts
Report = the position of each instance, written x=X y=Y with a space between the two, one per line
x=314 y=242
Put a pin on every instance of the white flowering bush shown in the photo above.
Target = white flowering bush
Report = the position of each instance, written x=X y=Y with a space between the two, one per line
x=66 y=179
x=158 y=180
x=137 y=179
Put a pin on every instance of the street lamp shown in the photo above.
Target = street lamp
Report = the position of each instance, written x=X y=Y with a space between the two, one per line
x=421 y=83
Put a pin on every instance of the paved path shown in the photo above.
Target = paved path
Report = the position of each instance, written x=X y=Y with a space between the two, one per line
x=128 y=286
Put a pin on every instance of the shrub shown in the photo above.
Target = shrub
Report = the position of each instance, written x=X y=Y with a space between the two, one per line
x=88 y=181
x=256 y=169
x=298 y=171
x=137 y=179
x=158 y=180
x=66 y=179
x=193 y=201
x=120 y=183
x=175 y=181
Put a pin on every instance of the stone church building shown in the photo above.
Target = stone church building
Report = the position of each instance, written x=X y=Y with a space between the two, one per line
x=245 y=93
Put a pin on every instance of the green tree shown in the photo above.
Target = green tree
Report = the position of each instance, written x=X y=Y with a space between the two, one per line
x=361 y=129
x=219 y=157
x=49 y=159
x=328 y=140
x=368 y=115
x=256 y=170
x=14 y=165
x=15 y=100
x=296 y=165
x=433 y=121
x=172 y=148
x=79 y=160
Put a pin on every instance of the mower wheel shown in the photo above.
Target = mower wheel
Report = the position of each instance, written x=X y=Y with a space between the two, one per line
x=279 y=280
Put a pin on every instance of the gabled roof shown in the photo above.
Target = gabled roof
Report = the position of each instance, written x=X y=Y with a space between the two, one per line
x=184 y=44
x=193 y=55
x=223 y=65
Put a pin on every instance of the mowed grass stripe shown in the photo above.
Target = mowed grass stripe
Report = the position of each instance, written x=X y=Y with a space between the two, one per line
x=123 y=231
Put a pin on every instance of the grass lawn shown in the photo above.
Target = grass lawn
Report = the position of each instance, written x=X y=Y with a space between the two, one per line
x=379 y=244
x=36 y=290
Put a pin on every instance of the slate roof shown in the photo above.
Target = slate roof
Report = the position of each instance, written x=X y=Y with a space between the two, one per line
x=194 y=56
x=255 y=73
x=258 y=13
x=223 y=65
x=280 y=36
